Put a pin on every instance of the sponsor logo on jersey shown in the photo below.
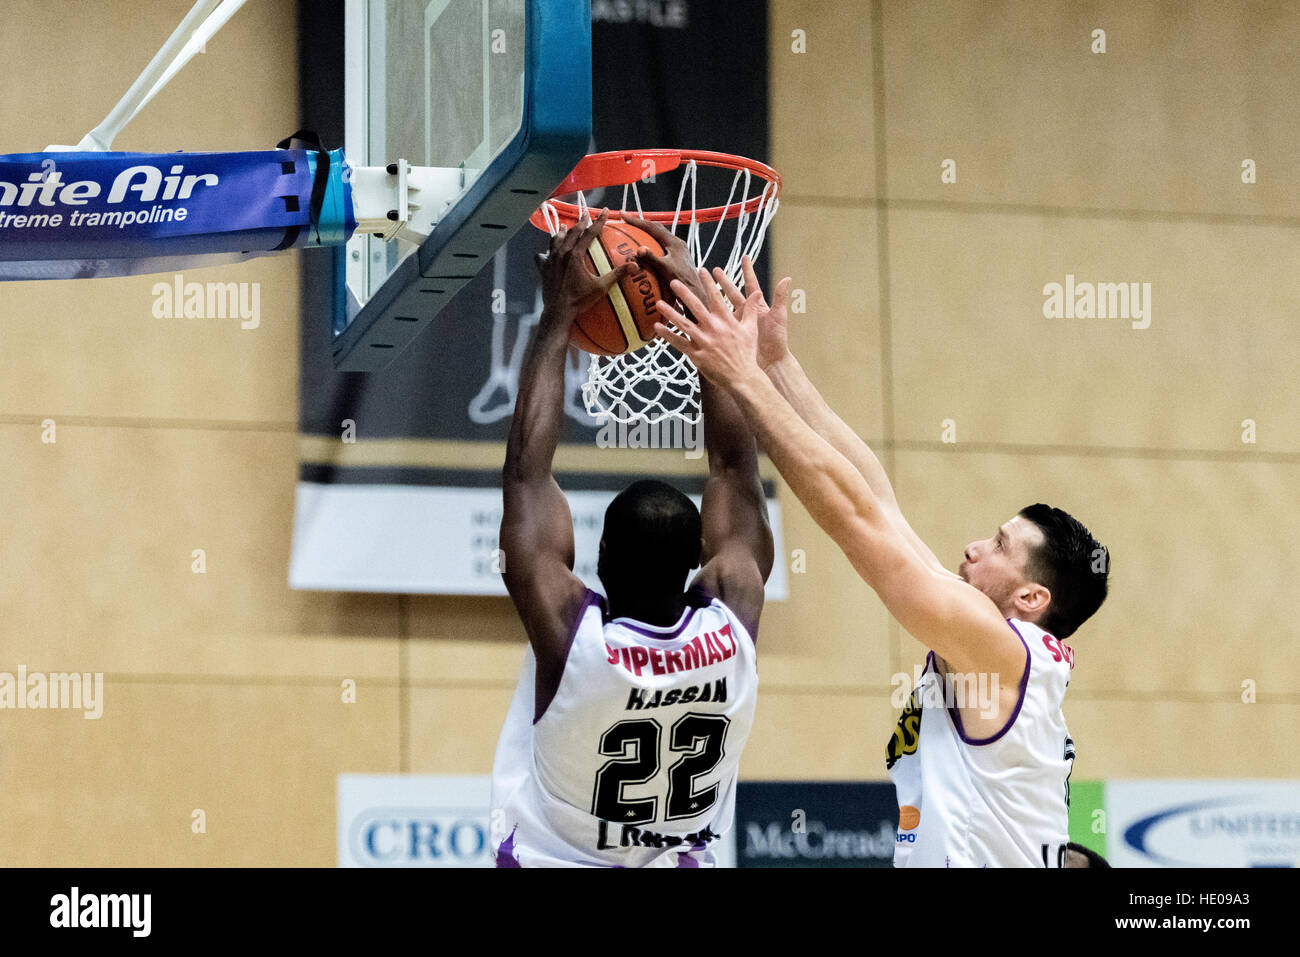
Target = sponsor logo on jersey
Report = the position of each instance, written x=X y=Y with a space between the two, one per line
x=629 y=836
x=700 y=652
x=907 y=733
x=1059 y=649
x=909 y=818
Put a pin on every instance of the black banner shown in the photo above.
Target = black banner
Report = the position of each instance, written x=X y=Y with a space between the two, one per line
x=823 y=824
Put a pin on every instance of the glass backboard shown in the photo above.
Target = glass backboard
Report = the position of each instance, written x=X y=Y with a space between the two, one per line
x=498 y=90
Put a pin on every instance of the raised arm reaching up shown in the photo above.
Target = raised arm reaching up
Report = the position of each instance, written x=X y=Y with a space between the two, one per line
x=737 y=557
x=959 y=622
x=536 y=525
x=785 y=372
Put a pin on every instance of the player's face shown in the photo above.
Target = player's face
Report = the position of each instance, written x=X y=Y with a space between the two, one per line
x=996 y=565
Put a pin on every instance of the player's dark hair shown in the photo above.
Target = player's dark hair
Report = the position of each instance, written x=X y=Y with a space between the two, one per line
x=1071 y=564
x=652 y=537
x=1094 y=859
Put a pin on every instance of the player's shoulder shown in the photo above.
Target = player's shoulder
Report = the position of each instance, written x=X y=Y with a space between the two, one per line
x=589 y=609
x=737 y=586
x=699 y=596
x=703 y=594
x=1042 y=644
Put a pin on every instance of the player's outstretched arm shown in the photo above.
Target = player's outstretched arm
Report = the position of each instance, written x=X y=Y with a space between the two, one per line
x=536 y=527
x=781 y=366
x=954 y=619
x=737 y=558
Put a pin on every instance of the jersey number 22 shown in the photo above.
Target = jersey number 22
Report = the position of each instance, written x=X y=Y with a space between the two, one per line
x=633 y=749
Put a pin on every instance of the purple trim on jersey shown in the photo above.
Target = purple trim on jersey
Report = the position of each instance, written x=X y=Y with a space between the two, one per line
x=698 y=597
x=706 y=596
x=506 y=852
x=1020 y=700
x=539 y=709
x=644 y=629
x=684 y=858
x=604 y=605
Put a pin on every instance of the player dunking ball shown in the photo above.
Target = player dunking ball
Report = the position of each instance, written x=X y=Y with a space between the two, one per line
x=981 y=756
x=624 y=736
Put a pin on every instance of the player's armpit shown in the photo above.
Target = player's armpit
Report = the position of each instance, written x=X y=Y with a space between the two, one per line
x=733 y=576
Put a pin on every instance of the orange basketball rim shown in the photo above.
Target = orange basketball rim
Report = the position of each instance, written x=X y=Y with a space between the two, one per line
x=625 y=167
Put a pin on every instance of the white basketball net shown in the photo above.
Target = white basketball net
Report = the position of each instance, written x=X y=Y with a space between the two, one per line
x=656 y=382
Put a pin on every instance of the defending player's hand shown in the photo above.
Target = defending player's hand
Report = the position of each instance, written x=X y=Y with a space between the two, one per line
x=569 y=284
x=722 y=344
x=675 y=263
x=773 y=320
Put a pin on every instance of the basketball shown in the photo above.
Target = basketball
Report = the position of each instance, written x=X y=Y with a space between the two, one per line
x=623 y=320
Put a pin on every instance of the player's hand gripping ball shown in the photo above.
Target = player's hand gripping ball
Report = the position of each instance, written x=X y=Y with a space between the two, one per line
x=623 y=319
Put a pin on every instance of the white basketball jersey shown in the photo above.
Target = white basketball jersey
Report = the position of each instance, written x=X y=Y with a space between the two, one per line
x=1000 y=801
x=633 y=763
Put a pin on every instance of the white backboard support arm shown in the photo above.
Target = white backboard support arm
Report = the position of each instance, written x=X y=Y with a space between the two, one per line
x=203 y=21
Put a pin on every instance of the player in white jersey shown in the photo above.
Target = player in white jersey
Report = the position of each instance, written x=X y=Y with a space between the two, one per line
x=623 y=740
x=999 y=800
x=981 y=756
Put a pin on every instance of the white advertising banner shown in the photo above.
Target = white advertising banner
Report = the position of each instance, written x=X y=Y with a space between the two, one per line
x=413 y=820
x=434 y=539
x=1172 y=823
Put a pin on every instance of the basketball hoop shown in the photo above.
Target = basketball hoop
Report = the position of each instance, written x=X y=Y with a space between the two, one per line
x=656 y=382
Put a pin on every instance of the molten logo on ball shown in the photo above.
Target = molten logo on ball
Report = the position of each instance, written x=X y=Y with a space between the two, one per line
x=624 y=320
